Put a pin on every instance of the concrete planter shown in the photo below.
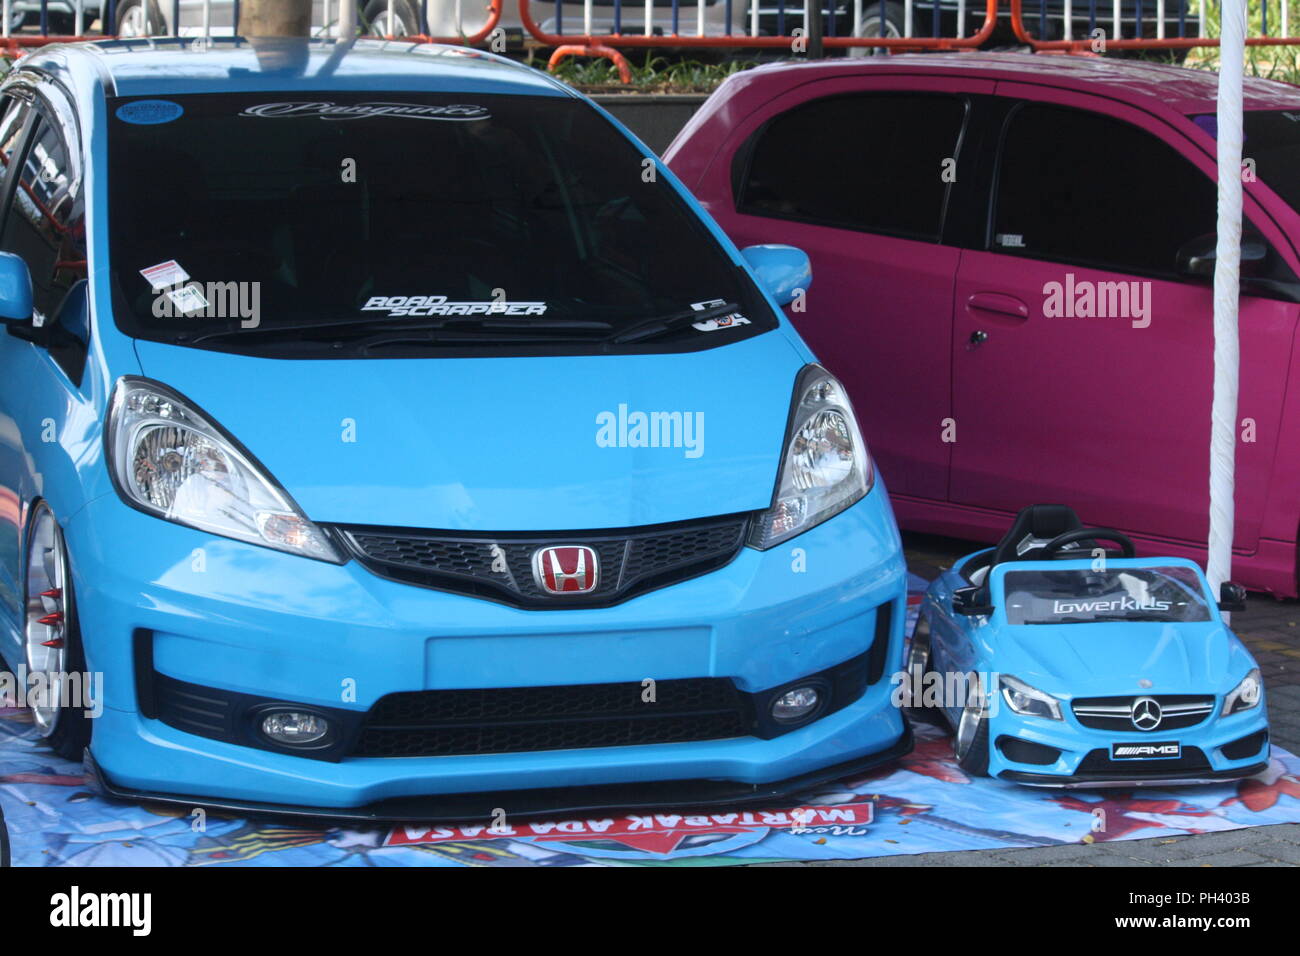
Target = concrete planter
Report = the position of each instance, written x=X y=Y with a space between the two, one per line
x=655 y=117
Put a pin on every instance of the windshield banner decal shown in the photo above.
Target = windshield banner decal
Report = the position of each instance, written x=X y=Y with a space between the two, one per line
x=334 y=111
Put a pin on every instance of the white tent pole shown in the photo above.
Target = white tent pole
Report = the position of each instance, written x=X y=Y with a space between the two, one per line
x=1227 y=289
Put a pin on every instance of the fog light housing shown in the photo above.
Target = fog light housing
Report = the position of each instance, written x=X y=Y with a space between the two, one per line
x=294 y=728
x=797 y=703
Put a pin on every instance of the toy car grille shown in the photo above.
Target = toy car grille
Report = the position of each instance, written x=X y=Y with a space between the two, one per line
x=527 y=719
x=499 y=567
x=1116 y=713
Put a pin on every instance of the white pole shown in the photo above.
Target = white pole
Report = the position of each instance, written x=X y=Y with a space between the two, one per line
x=699 y=19
x=1160 y=19
x=6 y=16
x=1227 y=289
x=650 y=18
x=1201 y=17
x=961 y=18
x=1068 y=26
x=207 y=19
x=907 y=16
x=753 y=18
x=1115 y=17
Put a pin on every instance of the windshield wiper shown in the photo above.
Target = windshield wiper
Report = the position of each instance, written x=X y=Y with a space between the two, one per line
x=649 y=328
x=375 y=330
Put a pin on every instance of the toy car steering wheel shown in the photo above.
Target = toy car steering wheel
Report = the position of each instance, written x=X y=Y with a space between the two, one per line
x=1050 y=549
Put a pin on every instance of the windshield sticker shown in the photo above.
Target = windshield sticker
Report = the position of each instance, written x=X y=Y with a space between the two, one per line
x=188 y=299
x=720 y=322
x=1112 y=604
x=149 y=112
x=421 y=305
x=333 y=111
x=165 y=275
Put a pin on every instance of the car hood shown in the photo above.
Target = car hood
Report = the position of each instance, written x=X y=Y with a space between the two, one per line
x=1079 y=660
x=501 y=444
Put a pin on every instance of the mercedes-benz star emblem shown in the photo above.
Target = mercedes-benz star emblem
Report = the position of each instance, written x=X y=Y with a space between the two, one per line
x=1145 y=714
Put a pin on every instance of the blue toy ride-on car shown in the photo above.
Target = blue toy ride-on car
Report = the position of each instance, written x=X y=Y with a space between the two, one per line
x=1058 y=660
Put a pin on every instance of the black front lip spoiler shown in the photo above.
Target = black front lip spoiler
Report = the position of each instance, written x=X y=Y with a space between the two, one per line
x=1102 y=780
x=453 y=808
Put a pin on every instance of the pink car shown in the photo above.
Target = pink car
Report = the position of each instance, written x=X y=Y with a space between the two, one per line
x=1012 y=257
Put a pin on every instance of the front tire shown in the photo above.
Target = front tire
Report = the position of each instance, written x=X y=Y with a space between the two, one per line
x=52 y=639
x=970 y=744
x=404 y=21
x=917 y=669
x=134 y=20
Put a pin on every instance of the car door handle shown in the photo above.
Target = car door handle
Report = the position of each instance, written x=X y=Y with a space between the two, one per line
x=999 y=303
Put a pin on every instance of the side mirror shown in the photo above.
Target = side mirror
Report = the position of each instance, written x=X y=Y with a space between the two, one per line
x=782 y=270
x=965 y=602
x=1232 y=597
x=1196 y=257
x=15 y=289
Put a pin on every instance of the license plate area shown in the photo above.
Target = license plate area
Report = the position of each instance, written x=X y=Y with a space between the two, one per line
x=1156 y=750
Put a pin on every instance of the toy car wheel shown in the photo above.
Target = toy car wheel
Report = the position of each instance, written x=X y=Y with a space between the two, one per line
x=918 y=666
x=52 y=639
x=971 y=744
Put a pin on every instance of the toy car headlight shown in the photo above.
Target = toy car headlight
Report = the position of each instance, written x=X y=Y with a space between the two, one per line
x=170 y=461
x=1245 y=695
x=1030 y=701
x=825 y=467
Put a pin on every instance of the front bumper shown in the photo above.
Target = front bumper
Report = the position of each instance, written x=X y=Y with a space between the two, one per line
x=451 y=808
x=1083 y=755
x=250 y=621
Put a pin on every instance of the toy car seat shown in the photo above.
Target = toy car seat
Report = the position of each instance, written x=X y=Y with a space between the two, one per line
x=1032 y=528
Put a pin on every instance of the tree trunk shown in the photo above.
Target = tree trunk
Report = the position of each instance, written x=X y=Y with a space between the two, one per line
x=275 y=18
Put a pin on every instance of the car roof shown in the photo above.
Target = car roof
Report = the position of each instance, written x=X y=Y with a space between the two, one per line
x=1135 y=81
x=171 y=66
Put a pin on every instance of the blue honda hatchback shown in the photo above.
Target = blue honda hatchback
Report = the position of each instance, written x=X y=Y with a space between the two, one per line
x=384 y=432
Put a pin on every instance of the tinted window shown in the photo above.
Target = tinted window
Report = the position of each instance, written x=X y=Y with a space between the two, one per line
x=12 y=120
x=1091 y=597
x=1079 y=187
x=869 y=163
x=45 y=225
x=505 y=221
x=1272 y=140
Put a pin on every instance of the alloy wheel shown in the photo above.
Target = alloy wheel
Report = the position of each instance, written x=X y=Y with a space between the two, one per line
x=47 y=627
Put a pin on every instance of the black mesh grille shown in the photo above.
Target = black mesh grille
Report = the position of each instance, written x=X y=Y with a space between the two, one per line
x=1122 y=721
x=499 y=567
x=525 y=719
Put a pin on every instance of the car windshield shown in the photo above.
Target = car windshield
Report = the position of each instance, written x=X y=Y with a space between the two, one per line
x=358 y=224
x=1272 y=141
x=1084 y=596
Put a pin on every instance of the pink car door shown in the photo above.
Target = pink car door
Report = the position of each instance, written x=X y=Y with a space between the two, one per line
x=1082 y=358
x=857 y=173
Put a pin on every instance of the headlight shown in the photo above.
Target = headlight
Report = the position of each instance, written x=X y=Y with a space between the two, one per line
x=1245 y=695
x=825 y=467
x=170 y=461
x=1030 y=701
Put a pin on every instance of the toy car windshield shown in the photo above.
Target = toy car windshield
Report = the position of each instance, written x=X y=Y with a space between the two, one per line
x=1085 y=596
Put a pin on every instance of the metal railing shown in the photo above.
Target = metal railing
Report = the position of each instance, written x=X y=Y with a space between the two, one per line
x=1095 y=26
x=161 y=18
